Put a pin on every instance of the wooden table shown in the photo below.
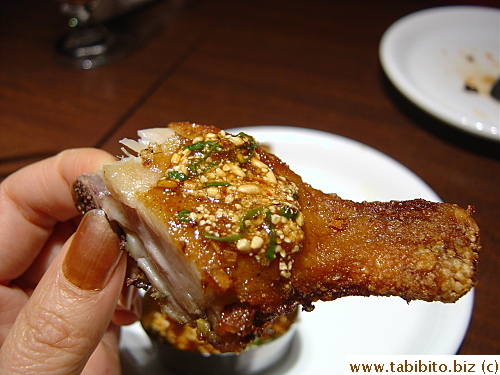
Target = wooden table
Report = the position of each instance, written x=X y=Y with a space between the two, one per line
x=300 y=63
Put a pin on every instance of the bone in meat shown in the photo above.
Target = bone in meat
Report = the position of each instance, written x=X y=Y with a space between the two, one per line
x=229 y=237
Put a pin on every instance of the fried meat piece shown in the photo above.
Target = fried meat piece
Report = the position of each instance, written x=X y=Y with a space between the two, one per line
x=229 y=237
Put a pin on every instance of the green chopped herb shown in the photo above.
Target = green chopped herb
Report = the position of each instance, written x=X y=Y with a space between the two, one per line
x=250 y=214
x=199 y=145
x=243 y=135
x=232 y=238
x=271 y=248
x=193 y=167
x=183 y=215
x=176 y=175
x=289 y=212
x=249 y=147
x=210 y=166
x=208 y=148
x=216 y=183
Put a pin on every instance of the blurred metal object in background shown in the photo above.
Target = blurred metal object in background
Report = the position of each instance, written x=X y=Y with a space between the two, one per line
x=99 y=31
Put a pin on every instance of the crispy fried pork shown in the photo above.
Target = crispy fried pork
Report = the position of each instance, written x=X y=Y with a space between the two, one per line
x=228 y=237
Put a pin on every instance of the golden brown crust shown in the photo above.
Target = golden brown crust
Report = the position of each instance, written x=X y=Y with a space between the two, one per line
x=262 y=241
x=414 y=249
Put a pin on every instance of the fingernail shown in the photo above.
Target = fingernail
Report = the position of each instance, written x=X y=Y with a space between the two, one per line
x=93 y=253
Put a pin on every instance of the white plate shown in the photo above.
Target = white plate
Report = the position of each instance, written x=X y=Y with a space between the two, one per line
x=350 y=325
x=430 y=55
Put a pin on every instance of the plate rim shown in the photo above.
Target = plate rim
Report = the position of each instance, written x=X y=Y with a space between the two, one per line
x=303 y=362
x=389 y=44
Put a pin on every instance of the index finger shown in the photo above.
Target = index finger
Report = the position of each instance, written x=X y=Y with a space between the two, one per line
x=34 y=199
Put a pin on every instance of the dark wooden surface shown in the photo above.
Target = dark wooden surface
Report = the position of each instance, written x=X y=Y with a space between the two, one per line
x=301 y=63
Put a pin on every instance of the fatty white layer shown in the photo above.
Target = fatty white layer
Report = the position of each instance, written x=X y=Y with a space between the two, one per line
x=148 y=241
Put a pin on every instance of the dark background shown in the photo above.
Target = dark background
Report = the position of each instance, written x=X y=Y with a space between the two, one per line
x=300 y=63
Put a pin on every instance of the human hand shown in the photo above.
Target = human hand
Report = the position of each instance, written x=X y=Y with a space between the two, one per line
x=58 y=294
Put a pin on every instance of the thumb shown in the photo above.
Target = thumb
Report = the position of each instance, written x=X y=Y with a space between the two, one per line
x=64 y=320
